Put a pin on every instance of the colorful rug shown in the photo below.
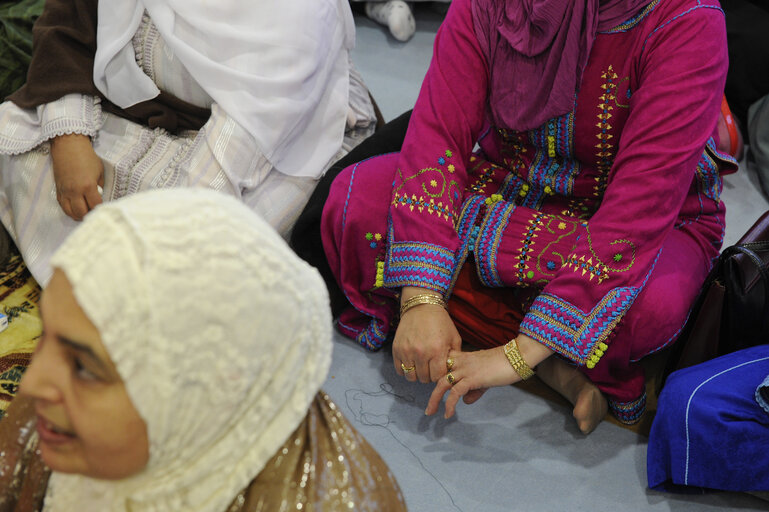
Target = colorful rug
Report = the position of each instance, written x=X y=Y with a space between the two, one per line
x=19 y=293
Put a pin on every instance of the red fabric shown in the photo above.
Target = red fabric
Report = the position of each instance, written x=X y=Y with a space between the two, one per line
x=485 y=317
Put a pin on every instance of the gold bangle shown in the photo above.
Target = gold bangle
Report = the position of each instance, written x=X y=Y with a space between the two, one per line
x=513 y=354
x=423 y=298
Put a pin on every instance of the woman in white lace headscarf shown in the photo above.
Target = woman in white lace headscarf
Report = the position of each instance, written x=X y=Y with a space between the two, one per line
x=183 y=345
x=254 y=99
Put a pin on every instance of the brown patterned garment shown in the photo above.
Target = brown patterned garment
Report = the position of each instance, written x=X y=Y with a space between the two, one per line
x=325 y=466
x=19 y=294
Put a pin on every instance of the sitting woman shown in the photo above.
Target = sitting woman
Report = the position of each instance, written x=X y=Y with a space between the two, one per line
x=576 y=237
x=179 y=370
x=128 y=95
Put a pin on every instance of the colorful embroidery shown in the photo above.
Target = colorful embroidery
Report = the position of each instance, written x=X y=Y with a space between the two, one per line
x=526 y=247
x=708 y=173
x=379 y=280
x=605 y=148
x=485 y=172
x=418 y=264
x=371 y=338
x=635 y=20
x=562 y=229
x=625 y=246
x=489 y=238
x=514 y=188
x=512 y=148
x=438 y=193
x=629 y=412
x=588 y=267
x=623 y=93
x=421 y=205
x=565 y=329
x=373 y=239
x=469 y=226
x=553 y=168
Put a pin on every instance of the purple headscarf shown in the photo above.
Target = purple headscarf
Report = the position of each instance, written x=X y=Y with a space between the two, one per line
x=537 y=50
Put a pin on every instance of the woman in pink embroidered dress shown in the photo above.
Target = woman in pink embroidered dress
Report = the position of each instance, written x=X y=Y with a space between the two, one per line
x=591 y=207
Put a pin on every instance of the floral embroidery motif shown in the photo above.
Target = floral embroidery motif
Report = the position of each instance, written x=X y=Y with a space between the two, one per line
x=562 y=229
x=594 y=266
x=625 y=246
x=435 y=185
x=605 y=148
x=373 y=239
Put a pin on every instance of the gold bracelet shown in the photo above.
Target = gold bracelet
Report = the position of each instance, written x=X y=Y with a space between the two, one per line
x=423 y=298
x=513 y=354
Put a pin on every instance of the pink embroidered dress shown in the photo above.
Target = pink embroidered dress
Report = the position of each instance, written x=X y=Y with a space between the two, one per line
x=607 y=218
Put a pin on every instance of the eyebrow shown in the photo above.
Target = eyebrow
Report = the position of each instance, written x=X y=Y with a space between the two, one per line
x=85 y=349
x=79 y=347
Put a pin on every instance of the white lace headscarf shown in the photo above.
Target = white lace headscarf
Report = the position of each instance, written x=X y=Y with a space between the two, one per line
x=221 y=334
x=278 y=67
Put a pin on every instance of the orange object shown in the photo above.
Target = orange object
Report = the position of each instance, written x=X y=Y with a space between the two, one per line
x=731 y=128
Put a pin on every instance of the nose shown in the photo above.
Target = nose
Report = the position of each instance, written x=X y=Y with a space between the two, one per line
x=42 y=379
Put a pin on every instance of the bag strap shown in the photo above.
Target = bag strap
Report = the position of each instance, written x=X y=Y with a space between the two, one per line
x=750 y=250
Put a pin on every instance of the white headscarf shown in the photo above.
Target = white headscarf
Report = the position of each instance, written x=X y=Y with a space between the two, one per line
x=221 y=334
x=278 y=67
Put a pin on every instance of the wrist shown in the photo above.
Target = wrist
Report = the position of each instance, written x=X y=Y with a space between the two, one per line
x=407 y=292
x=422 y=299
x=70 y=138
x=532 y=351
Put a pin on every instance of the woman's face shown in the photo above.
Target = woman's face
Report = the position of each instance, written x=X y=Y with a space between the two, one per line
x=86 y=421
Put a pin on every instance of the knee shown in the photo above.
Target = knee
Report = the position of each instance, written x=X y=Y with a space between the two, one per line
x=661 y=310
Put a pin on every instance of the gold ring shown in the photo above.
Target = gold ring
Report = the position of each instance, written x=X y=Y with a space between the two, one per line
x=450 y=378
x=450 y=363
x=407 y=369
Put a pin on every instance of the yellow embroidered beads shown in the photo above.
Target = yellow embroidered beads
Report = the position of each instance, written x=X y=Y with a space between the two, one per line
x=494 y=198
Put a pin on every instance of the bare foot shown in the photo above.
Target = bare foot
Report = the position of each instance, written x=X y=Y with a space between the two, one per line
x=590 y=406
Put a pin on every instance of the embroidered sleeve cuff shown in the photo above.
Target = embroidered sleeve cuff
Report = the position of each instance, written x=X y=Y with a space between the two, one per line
x=419 y=264
x=581 y=337
x=73 y=113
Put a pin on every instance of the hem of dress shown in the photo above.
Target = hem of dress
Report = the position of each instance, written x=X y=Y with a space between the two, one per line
x=631 y=412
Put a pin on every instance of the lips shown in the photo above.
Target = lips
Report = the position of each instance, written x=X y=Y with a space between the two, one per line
x=51 y=434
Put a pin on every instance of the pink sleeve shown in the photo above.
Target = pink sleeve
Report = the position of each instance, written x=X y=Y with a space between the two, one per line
x=431 y=178
x=682 y=70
